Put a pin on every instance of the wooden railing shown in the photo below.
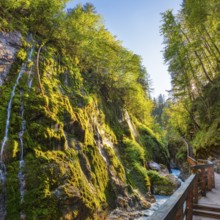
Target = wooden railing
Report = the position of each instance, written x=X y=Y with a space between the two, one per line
x=215 y=162
x=180 y=205
x=206 y=177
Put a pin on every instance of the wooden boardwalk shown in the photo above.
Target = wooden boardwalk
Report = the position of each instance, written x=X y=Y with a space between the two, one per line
x=187 y=202
x=212 y=198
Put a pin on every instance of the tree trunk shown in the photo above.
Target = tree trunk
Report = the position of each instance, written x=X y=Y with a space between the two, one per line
x=199 y=58
x=213 y=43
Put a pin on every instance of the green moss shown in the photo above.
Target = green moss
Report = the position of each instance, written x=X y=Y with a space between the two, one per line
x=133 y=152
x=115 y=165
x=138 y=178
x=21 y=55
x=11 y=149
x=154 y=149
x=161 y=184
x=12 y=191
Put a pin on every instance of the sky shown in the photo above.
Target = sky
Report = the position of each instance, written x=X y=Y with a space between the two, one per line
x=137 y=24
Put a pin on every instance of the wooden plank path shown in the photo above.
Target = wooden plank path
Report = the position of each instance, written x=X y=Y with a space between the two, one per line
x=212 y=199
x=197 y=198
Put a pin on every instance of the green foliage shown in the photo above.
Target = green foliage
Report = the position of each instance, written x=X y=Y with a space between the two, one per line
x=192 y=52
x=178 y=117
x=154 y=148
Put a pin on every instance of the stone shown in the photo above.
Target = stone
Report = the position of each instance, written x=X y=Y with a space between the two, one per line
x=153 y=166
x=150 y=197
x=119 y=214
x=163 y=170
x=9 y=44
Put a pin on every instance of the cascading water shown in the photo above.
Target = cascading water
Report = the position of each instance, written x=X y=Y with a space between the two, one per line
x=21 y=175
x=100 y=145
x=23 y=68
x=30 y=75
x=21 y=162
x=30 y=79
x=9 y=111
x=2 y=165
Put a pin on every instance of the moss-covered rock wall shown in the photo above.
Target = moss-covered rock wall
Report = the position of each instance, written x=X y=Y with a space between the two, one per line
x=81 y=158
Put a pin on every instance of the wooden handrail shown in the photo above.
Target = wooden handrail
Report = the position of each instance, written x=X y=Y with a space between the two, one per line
x=180 y=205
x=174 y=208
x=191 y=161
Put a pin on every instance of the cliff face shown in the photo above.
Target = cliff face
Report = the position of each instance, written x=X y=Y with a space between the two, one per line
x=9 y=43
x=66 y=153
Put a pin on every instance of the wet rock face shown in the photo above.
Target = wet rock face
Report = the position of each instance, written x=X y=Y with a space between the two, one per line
x=9 y=44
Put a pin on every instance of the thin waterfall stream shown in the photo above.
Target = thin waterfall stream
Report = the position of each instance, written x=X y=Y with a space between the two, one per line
x=3 y=171
x=21 y=175
x=21 y=162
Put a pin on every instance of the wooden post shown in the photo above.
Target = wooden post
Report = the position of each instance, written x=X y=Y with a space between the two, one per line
x=179 y=214
x=218 y=166
x=189 y=204
x=203 y=182
x=195 y=190
x=210 y=178
x=213 y=176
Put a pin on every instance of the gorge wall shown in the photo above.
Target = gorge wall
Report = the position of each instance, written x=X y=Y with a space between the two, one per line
x=68 y=153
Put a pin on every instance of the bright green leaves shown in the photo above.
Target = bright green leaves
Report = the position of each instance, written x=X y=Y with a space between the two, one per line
x=192 y=51
x=38 y=16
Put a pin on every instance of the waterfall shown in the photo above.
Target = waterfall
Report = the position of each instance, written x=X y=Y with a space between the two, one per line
x=30 y=75
x=21 y=175
x=9 y=110
x=21 y=162
x=30 y=83
x=23 y=68
x=30 y=79
x=2 y=165
x=130 y=125
x=98 y=141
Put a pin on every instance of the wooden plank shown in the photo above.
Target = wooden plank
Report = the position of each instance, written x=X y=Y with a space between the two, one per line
x=208 y=207
x=202 y=166
x=206 y=214
x=191 y=161
x=209 y=184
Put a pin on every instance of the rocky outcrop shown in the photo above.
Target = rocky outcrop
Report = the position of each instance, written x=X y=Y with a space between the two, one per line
x=167 y=187
x=162 y=182
x=9 y=44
